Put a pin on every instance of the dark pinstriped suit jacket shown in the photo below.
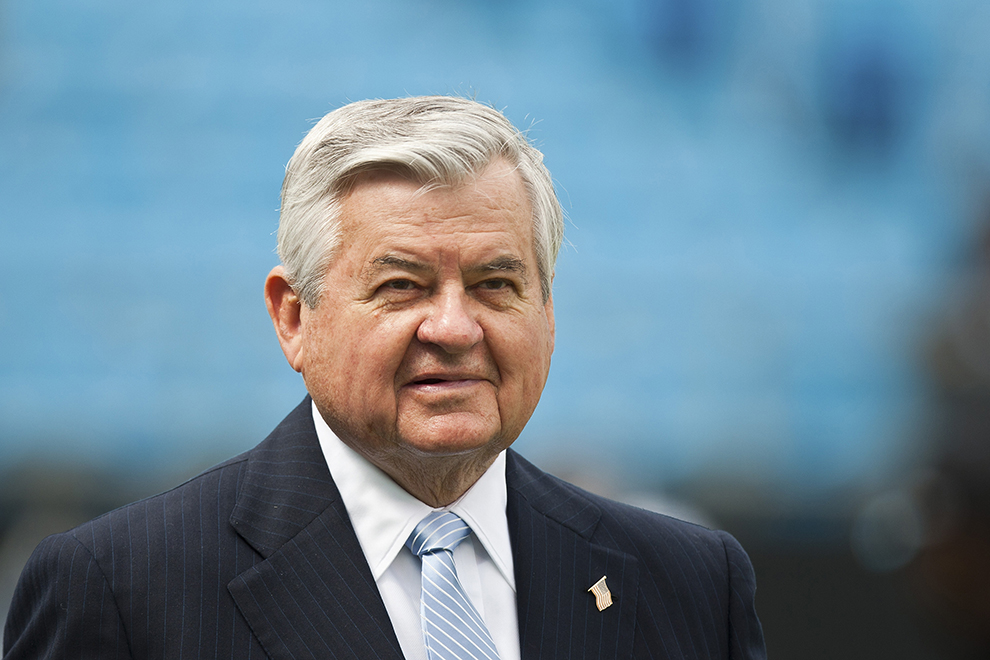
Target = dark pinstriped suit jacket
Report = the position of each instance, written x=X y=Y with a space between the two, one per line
x=257 y=558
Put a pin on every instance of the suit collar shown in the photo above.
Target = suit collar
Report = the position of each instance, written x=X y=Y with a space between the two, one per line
x=552 y=525
x=286 y=484
x=313 y=594
x=550 y=496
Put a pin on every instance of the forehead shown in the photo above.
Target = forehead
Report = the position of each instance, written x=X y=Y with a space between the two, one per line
x=382 y=204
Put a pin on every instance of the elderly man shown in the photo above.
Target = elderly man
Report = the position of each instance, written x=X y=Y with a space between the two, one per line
x=386 y=517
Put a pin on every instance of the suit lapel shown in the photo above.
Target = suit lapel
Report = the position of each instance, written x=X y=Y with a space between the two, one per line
x=314 y=594
x=551 y=525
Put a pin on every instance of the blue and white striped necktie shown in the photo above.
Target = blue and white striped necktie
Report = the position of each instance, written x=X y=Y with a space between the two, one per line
x=452 y=627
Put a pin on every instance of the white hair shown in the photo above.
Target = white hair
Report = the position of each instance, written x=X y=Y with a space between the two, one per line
x=432 y=140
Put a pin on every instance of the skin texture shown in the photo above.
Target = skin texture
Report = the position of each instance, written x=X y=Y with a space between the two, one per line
x=431 y=345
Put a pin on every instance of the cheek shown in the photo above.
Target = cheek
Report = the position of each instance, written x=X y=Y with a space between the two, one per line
x=363 y=353
x=524 y=363
x=332 y=358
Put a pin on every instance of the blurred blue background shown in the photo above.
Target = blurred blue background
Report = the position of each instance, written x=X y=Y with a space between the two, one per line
x=770 y=204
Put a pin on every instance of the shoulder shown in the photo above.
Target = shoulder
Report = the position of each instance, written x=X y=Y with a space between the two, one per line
x=649 y=536
x=89 y=569
x=693 y=583
x=204 y=502
x=96 y=581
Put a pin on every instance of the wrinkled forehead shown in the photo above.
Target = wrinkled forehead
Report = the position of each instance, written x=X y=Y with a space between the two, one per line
x=494 y=199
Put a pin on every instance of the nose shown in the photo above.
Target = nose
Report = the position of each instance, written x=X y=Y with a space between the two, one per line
x=450 y=324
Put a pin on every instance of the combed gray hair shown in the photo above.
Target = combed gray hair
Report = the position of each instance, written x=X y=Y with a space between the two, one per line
x=432 y=140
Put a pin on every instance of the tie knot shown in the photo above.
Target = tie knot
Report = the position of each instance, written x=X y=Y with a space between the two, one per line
x=441 y=530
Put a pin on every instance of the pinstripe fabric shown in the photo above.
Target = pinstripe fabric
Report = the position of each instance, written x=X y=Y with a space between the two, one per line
x=257 y=558
x=679 y=590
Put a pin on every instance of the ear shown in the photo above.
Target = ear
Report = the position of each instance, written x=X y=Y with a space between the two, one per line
x=285 y=308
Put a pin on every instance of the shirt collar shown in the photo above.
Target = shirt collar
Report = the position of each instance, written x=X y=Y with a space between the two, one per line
x=383 y=514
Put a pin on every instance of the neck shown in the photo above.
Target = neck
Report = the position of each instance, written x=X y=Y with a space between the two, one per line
x=436 y=481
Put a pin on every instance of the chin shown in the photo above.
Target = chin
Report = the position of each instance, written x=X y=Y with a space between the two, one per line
x=452 y=437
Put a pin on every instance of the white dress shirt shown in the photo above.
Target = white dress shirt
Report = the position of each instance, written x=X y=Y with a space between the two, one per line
x=383 y=515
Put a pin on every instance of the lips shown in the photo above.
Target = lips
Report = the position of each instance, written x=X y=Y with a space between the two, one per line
x=444 y=381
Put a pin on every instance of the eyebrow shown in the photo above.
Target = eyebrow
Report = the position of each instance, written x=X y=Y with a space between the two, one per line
x=392 y=261
x=504 y=264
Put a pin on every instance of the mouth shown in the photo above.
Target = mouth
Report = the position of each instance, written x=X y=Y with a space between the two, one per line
x=443 y=382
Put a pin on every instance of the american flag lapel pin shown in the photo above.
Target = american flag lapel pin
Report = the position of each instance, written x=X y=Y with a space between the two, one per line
x=603 y=597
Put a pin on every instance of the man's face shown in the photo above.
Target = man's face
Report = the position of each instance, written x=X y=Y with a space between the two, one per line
x=432 y=337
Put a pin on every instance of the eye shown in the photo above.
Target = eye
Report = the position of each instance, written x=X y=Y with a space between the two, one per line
x=401 y=289
x=400 y=285
x=494 y=285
